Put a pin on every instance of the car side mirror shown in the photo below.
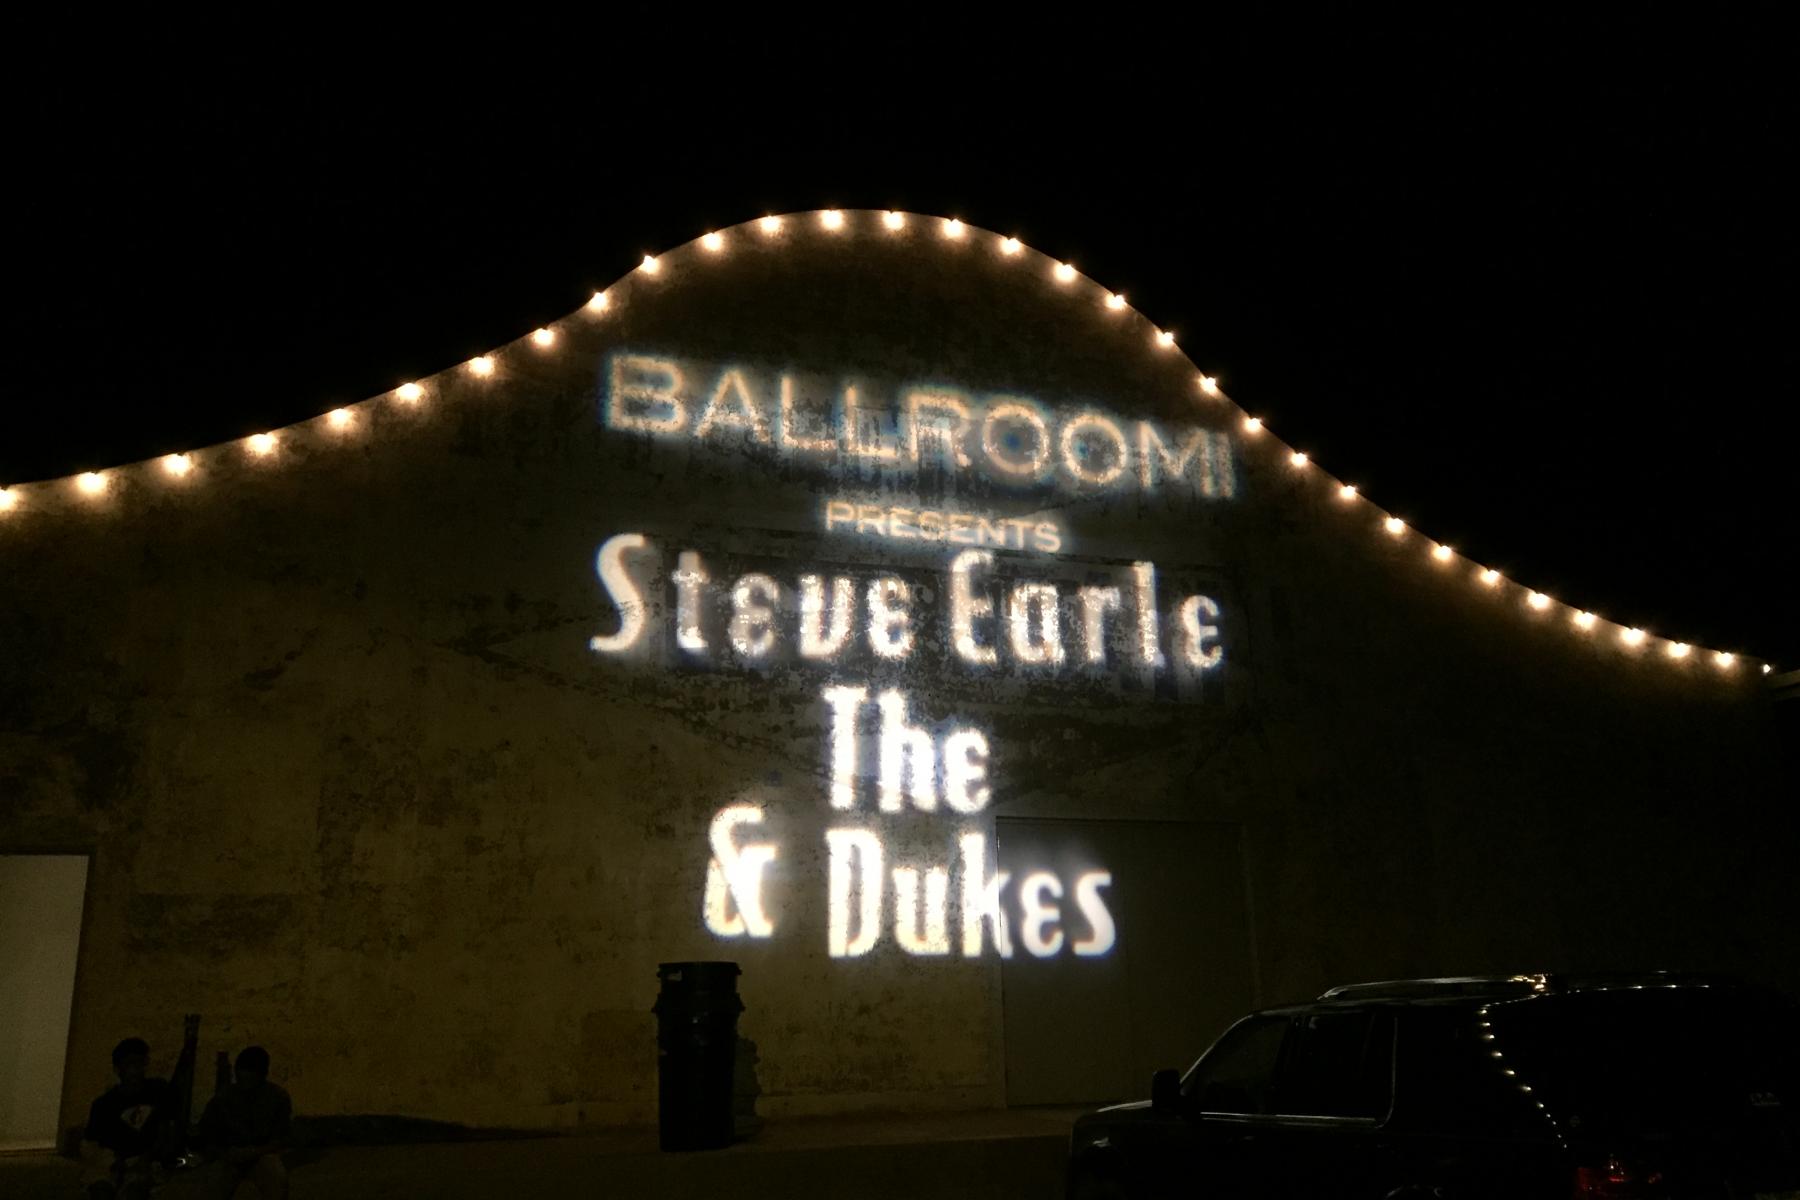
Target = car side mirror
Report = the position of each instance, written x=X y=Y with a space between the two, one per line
x=1165 y=1091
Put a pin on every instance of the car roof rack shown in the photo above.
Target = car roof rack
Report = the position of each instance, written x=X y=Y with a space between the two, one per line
x=1534 y=984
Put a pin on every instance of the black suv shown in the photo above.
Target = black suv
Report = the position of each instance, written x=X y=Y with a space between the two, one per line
x=1518 y=1087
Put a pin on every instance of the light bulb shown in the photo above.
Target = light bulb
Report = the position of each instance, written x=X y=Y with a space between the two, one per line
x=1724 y=658
x=91 y=482
x=713 y=240
x=8 y=499
x=1209 y=384
x=1767 y=667
x=1538 y=600
x=261 y=443
x=543 y=338
x=649 y=266
x=1252 y=424
x=1165 y=338
x=482 y=365
x=1632 y=636
x=1011 y=245
x=1298 y=458
x=409 y=392
x=771 y=224
x=598 y=302
x=1394 y=525
x=1679 y=649
x=1063 y=272
x=1443 y=553
x=1585 y=620
x=1490 y=577
x=340 y=418
x=177 y=464
x=1115 y=299
x=831 y=218
x=1347 y=492
x=894 y=220
x=953 y=228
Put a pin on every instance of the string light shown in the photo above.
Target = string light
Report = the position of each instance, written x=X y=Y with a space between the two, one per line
x=1767 y=667
x=94 y=483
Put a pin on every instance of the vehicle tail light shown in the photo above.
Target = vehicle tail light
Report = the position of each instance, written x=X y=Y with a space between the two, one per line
x=1616 y=1181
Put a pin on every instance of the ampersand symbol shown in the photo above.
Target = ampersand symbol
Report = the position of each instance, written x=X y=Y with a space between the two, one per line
x=734 y=876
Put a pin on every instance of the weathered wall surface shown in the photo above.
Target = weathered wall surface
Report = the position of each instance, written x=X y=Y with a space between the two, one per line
x=356 y=787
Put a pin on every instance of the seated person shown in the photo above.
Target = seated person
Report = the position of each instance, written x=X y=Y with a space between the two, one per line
x=244 y=1129
x=133 y=1120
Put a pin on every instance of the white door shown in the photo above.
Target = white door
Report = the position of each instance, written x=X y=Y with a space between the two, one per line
x=40 y=933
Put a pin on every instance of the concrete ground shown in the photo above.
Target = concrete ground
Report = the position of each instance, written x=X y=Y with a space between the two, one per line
x=1014 y=1154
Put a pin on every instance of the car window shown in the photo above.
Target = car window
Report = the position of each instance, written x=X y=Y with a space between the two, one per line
x=1237 y=1075
x=1336 y=1064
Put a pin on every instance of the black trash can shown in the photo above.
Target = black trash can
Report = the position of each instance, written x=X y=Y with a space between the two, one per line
x=696 y=1046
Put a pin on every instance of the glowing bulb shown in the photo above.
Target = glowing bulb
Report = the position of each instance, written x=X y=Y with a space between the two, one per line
x=1394 y=525
x=713 y=241
x=831 y=218
x=598 y=302
x=1767 y=667
x=1063 y=272
x=1538 y=600
x=1679 y=649
x=1252 y=424
x=953 y=228
x=771 y=224
x=1298 y=458
x=409 y=392
x=543 y=338
x=894 y=220
x=1347 y=492
x=1165 y=338
x=1011 y=245
x=1209 y=384
x=1585 y=620
x=8 y=499
x=261 y=443
x=1443 y=553
x=177 y=464
x=91 y=482
x=1723 y=658
x=649 y=266
x=1631 y=637
x=1115 y=299
x=1490 y=577
x=482 y=365
x=340 y=418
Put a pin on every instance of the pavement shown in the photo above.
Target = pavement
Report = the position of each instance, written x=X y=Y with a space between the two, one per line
x=994 y=1154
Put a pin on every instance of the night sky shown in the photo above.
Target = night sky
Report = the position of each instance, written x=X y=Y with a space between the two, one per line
x=1532 y=286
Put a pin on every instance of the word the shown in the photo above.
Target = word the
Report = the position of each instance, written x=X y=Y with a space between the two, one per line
x=1007 y=439
x=1040 y=624
x=928 y=525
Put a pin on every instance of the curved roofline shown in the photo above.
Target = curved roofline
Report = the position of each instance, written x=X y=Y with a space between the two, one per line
x=843 y=223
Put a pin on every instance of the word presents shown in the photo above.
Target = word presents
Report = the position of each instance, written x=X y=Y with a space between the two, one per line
x=1007 y=439
x=899 y=524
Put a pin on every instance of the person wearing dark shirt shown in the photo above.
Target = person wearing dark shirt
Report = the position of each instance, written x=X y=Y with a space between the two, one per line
x=245 y=1128
x=133 y=1120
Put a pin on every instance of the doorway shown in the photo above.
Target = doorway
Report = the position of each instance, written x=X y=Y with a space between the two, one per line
x=1084 y=1030
x=41 y=899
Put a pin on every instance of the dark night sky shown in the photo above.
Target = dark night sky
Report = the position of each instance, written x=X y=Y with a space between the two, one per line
x=1531 y=286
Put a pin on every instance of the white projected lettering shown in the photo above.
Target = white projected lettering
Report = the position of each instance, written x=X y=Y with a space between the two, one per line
x=899 y=524
x=1007 y=439
x=733 y=902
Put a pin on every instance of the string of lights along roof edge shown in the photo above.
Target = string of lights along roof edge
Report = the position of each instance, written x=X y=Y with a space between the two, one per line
x=833 y=222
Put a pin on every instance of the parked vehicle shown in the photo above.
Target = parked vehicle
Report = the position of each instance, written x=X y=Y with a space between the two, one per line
x=1532 y=1086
